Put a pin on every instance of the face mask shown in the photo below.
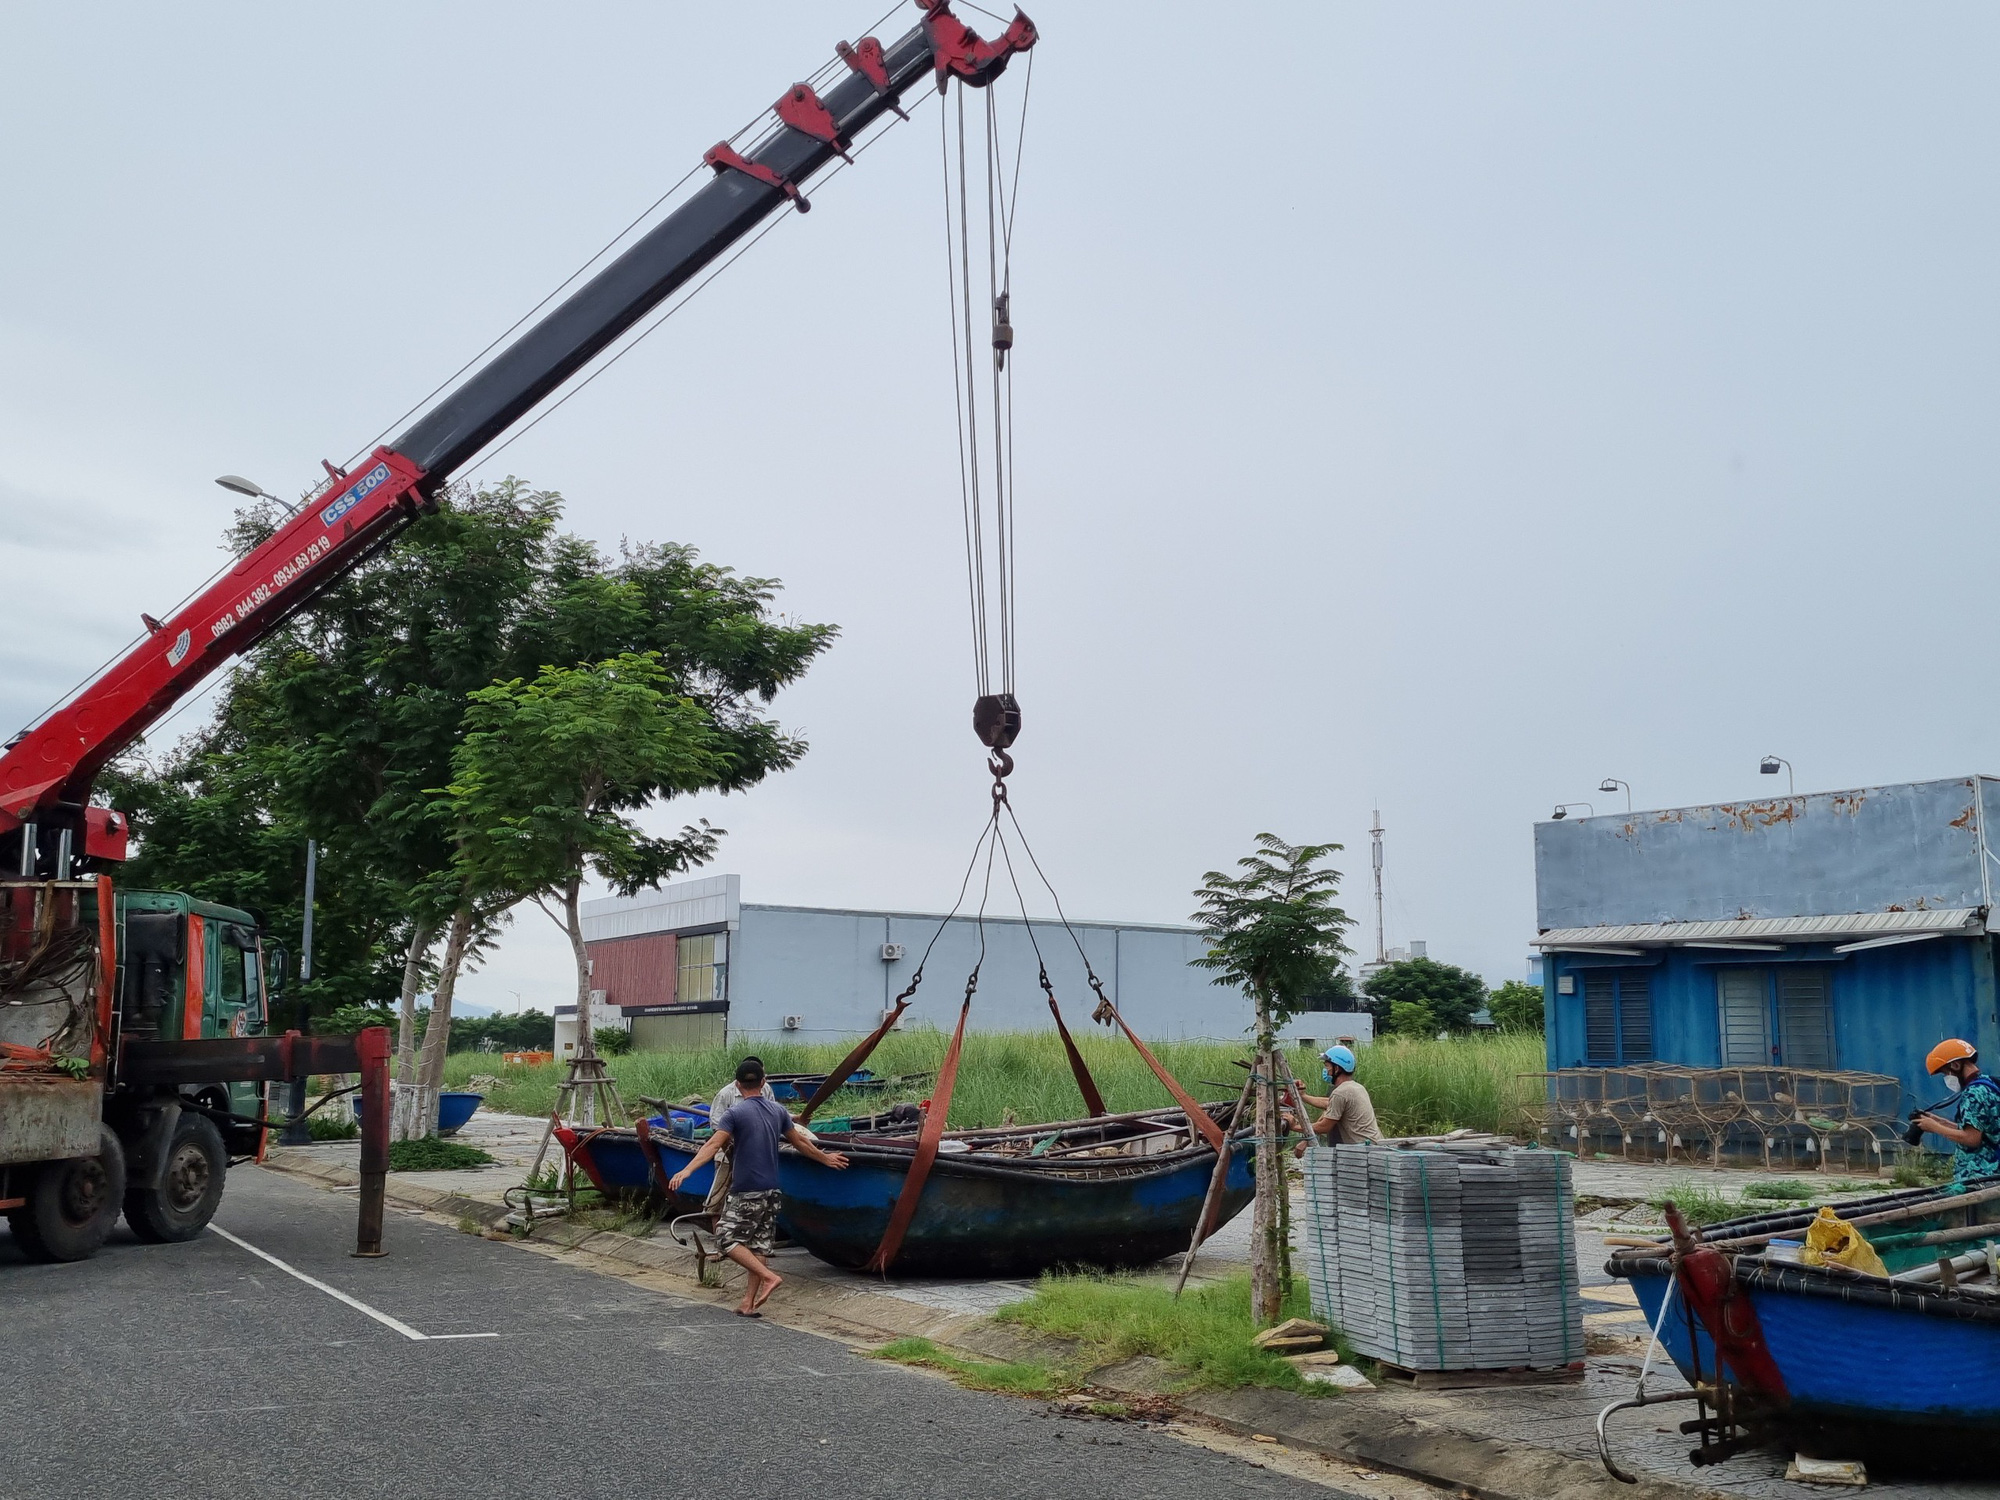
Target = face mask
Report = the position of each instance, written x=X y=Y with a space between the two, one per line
x=1952 y=1082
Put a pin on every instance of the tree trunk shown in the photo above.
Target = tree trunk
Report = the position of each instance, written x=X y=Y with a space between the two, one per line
x=1266 y=1293
x=586 y=1041
x=437 y=1033
x=406 y=1034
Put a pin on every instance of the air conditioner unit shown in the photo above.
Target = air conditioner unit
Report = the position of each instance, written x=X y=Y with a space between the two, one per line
x=599 y=999
x=888 y=1015
x=793 y=1023
x=892 y=951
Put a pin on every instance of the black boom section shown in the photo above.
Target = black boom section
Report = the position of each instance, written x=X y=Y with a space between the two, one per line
x=692 y=237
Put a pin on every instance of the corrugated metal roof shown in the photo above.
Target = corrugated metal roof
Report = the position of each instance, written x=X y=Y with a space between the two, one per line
x=1967 y=919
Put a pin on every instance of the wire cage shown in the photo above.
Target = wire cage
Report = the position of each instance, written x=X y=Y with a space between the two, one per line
x=1795 y=1118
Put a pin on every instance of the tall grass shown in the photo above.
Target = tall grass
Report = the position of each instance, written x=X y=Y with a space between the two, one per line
x=1418 y=1087
x=1204 y=1335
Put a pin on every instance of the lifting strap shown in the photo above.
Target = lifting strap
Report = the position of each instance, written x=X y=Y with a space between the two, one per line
x=1196 y=1115
x=927 y=1149
x=859 y=1055
x=1093 y=1101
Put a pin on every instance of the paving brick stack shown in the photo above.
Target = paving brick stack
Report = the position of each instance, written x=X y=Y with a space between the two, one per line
x=1435 y=1258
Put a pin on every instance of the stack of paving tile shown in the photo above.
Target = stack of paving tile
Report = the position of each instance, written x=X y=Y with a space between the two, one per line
x=1434 y=1258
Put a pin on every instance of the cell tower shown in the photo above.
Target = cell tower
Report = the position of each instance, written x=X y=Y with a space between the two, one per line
x=1375 y=854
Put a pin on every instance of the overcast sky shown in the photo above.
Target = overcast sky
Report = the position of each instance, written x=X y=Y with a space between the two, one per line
x=1436 y=406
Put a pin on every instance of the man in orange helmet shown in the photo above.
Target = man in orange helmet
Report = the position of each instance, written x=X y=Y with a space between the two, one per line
x=1977 y=1133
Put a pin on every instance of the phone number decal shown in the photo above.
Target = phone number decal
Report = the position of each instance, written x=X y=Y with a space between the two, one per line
x=282 y=577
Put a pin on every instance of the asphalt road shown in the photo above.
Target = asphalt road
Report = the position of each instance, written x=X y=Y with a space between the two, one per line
x=201 y=1370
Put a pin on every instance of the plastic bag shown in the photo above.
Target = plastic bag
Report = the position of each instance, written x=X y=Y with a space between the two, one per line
x=1832 y=1241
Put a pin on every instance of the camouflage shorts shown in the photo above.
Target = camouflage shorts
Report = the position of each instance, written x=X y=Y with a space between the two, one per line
x=749 y=1220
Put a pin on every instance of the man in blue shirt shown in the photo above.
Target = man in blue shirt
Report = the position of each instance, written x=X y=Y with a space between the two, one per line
x=752 y=1129
x=1977 y=1133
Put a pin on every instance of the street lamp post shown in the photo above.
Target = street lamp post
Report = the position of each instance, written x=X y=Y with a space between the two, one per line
x=1768 y=766
x=1562 y=810
x=1612 y=784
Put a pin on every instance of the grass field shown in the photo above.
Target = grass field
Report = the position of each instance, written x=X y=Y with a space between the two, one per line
x=1418 y=1087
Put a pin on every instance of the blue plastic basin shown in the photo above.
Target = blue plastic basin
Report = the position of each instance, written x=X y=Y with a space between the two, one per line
x=455 y=1107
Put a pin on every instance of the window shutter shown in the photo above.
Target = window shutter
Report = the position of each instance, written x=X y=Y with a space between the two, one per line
x=1600 y=1018
x=1746 y=1023
x=1635 y=1016
x=1805 y=1018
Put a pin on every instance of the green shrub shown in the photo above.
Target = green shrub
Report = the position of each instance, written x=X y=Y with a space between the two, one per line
x=434 y=1155
x=331 y=1125
x=1698 y=1205
x=1025 y=1378
x=1785 y=1191
x=1205 y=1334
x=612 y=1041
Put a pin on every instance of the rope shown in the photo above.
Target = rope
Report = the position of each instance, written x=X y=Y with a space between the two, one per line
x=1086 y=1085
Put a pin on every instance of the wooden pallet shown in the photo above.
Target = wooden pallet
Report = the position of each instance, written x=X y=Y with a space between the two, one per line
x=1466 y=1380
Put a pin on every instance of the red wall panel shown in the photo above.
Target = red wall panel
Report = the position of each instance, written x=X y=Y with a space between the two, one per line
x=635 y=970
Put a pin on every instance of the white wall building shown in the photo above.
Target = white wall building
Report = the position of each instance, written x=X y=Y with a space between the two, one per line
x=692 y=964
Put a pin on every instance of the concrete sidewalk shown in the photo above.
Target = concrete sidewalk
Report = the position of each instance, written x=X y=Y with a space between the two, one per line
x=1532 y=1442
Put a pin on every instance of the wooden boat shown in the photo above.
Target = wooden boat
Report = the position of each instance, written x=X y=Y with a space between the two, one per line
x=1847 y=1363
x=1120 y=1190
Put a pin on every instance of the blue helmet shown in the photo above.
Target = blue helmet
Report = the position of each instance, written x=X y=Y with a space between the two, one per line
x=1340 y=1057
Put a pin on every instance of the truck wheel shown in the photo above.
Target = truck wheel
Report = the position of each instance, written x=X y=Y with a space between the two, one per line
x=72 y=1204
x=189 y=1190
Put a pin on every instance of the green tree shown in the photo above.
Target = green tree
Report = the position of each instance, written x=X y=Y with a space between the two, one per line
x=549 y=774
x=1274 y=932
x=1517 y=1006
x=1449 y=993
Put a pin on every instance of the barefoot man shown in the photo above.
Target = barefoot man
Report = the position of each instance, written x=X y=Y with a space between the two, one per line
x=747 y=1226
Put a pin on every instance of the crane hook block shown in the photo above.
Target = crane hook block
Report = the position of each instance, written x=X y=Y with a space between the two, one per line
x=725 y=158
x=996 y=719
x=801 y=109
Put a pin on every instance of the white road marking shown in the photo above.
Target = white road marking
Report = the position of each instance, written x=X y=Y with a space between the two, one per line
x=332 y=1291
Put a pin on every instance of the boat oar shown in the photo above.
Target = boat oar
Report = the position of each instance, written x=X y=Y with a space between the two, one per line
x=1211 y=1203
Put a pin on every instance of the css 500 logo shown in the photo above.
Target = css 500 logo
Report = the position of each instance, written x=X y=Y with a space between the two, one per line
x=363 y=487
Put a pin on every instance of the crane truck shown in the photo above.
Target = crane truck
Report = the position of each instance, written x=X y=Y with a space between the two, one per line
x=135 y=1026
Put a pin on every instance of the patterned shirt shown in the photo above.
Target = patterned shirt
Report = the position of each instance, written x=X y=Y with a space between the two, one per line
x=1980 y=1112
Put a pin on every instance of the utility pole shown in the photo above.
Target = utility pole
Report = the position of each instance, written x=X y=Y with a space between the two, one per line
x=1375 y=854
x=296 y=1133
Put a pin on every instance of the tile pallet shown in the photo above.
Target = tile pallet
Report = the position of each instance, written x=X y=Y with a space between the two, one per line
x=1441 y=1259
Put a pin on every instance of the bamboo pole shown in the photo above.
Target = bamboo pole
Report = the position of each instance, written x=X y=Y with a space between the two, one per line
x=1212 y=1199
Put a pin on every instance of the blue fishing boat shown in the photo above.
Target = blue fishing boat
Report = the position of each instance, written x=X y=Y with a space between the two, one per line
x=1840 y=1362
x=1101 y=1193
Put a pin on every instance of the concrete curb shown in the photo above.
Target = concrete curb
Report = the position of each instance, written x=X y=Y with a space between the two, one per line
x=1363 y=1429
x=1358 y=1428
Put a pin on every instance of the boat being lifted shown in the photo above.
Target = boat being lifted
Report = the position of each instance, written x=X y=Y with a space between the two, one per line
x=1099 y=1193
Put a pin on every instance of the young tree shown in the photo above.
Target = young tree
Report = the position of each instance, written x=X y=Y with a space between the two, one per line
x=548 y=775
x=1517 y=1006
x=1450 y=994
x=1273 y=932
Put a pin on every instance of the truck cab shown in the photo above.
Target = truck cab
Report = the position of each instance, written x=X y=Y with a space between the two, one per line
x=188 y=970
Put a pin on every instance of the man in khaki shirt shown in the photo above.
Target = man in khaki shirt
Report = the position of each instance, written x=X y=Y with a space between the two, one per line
x=1349 y=1114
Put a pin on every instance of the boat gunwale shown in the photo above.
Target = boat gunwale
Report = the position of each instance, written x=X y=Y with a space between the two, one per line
x=1838 y=1283
x=1025 y=1169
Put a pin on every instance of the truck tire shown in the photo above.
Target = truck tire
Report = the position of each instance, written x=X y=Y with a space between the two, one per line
x=73 y=1204
x=180 y=1207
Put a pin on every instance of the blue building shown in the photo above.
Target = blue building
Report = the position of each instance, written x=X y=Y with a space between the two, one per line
x=1839 y=930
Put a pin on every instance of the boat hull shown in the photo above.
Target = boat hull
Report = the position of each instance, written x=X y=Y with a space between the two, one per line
x=1853 y=1362
x=979 y=1220
x=974 y=1219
